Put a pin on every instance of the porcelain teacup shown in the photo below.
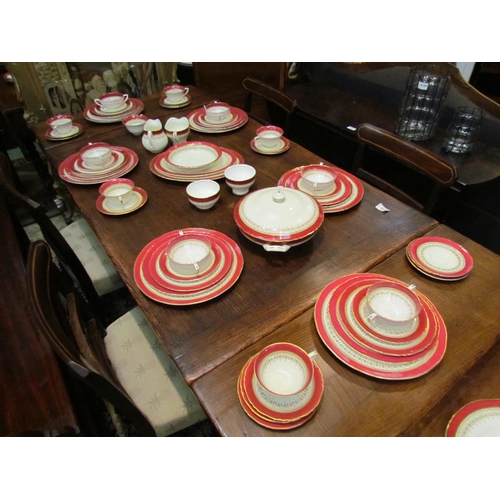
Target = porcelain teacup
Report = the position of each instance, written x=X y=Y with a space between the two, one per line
x=318 y=181
x=240 y=178
x=117 y=192
x=111 y=101
x=268 y=137
x=61 y=124
x=135 y=123
x=175 y=93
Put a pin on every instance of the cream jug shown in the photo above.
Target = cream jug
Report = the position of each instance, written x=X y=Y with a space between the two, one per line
x=177 y=129
x=154 y=139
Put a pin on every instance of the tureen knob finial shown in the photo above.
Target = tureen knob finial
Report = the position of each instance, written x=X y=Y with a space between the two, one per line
x=279 y=197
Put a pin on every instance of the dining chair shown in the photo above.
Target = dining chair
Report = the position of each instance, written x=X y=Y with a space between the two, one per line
x=76 y=246
x=279 y=106
x=404 y=169
x=125 y=363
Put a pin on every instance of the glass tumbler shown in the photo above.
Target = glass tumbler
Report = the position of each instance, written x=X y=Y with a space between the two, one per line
x=463 y=129
x=426 y=90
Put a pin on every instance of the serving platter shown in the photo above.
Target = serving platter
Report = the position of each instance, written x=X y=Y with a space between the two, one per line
x=479 y=418
x=336 y=337
x=164 y=295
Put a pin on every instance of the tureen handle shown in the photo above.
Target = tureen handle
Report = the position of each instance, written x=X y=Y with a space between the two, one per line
x=276 y=248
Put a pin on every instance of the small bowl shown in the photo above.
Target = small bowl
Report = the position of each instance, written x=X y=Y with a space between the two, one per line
x=135 y=123
x=240 y=178
x=283 y=371
x=392 y=304
x=111 y=101
x=188 y=255
x=268 y=136
x=203 y=194
x=118 y=192
x=217 y=112
x=318 y=181
x=97 y=154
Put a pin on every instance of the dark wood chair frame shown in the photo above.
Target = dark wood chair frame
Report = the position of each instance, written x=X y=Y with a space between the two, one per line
x=59 y=313
x=272 y=96
x=442 y=174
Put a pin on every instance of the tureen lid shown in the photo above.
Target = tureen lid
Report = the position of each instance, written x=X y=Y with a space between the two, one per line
x=278 y=213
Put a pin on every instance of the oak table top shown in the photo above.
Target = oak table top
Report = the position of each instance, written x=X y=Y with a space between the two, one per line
x=354 y=404
x=273 y=288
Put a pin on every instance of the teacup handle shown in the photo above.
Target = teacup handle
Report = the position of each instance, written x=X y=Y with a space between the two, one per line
x=125 y=98
x=150 y=138
x=186 y=90
x=98 y=102
x=196 y=268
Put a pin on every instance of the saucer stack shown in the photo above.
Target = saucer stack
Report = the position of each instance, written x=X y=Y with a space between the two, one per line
x=74 y=170
x=479 y=418
x=54 y=135
x=161 y=167
x=96 y=114
x=278 y=413
x=346 y=193
x=160 y=281
x=198 y=121
x=386 y=352
x=167 y=103
x=440 y=258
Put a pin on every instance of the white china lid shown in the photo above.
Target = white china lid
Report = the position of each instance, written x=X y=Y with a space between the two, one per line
x=278 y=213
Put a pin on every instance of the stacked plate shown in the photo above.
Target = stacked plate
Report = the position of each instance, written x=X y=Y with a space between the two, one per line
x=74 y=170
x=440 y=258
x=344 y=324
x=347 y=190
x=167 y=103
x=198 y=121
x=159 y=277
x=275 y=411
x=161 y=167
x=480 y=418
x=96 y=114
x=54 y=135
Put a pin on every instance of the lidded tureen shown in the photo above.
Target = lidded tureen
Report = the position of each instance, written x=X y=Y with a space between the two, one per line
x=278 y=217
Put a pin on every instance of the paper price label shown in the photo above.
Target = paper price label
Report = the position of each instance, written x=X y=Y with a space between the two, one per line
x=423 y=85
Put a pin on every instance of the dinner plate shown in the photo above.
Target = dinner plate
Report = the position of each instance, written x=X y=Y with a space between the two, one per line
x=151 y=290
x=479 y=418
x=161 y=168
x=160 y=271
x=198 y=122
x=93 y=113
x=371 y=363
x=338 y=202
x=344 y=320
x=165 y=103
x=139 y=198
x=282 y=146
x=67 y=169
x=53 y=135
x=440 y=257
x=260 y=419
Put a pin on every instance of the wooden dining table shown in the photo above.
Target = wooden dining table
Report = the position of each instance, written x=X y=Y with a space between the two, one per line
x=275 y=293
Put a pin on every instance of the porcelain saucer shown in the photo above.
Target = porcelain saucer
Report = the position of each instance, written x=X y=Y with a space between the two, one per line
x=53 y=135
x=139 y=198
x=165 y=103
x=282 y=146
